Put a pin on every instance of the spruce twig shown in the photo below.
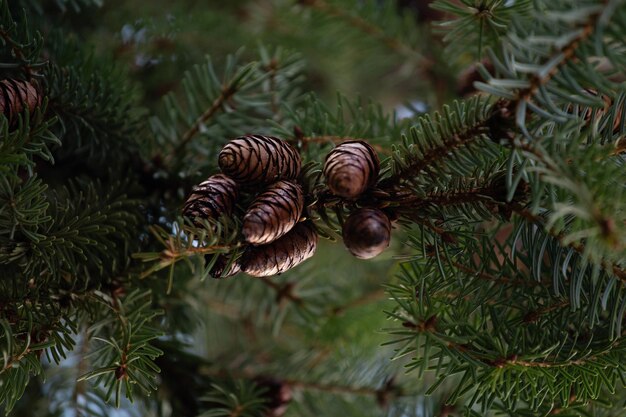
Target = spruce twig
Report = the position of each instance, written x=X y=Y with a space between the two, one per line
x=579 y=247
x=226 y=93
x=366 y=27
x=283 y=291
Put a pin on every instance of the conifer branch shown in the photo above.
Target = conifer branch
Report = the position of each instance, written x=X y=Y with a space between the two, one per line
x=438 y=140
x=424 y=222
x=389 y=388
x=567 y=53
x=492 y=192
x=579 y=247
x=284 y=291
x=434 y=155
x=366 y=27
x=535 y=315
x=16 y=47
x=481 y=274
x=429 y=326
x=366 y=298
x=226 y=93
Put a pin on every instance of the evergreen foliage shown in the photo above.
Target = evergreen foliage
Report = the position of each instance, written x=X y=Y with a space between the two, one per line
x=503 y=292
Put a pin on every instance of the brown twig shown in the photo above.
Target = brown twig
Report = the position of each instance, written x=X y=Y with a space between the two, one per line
x=430 y=326
x=366 y=27
x=368 y=297
x=567 y=52
x=227 y=92
x=437 y=153
x=283 y=291
x=494 y=278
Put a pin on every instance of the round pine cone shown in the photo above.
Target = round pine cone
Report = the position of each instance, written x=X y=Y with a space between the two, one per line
x=256 y=159
x=366 y=233
x=350 y=168
x=212 y=198
x=290 y=250
x=273 y=213
x=15 y=95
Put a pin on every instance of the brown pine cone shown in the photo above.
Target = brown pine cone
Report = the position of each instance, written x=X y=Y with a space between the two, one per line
x=15 y=96
x=273 y=213
x=277 y=395
x=256 y=159
x=366 y=233
x=350 y=168
x=212 y=198
x=218 y=270
x=283 y=254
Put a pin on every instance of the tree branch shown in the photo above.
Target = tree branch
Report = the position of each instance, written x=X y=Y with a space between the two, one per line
x=284 y=291
x=366 y=27
x=607 y=265
x=437 y=153
x=227 y=93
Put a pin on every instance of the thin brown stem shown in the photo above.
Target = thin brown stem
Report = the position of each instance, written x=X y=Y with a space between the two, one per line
x=437 y=153
x=494 y=278
x=227 y=92
x=486 y=358
x=283 y=291
x=368 y=297
x=407 y=200
x=366 y=27
x=533 y=316
x=568 y=52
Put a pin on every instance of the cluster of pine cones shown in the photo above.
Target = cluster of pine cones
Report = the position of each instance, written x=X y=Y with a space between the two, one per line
x=264 y=171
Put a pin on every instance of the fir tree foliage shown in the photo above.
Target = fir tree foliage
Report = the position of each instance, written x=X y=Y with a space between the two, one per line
x=507 y=292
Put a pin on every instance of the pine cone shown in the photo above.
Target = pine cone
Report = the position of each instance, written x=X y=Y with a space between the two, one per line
x=273 y=213
x=256 y=159
x=277 y=395
x=283 y=254
x=366 y=233
x=218 y=270
x=350 y=168
x=212 y=198
x=15 y=95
